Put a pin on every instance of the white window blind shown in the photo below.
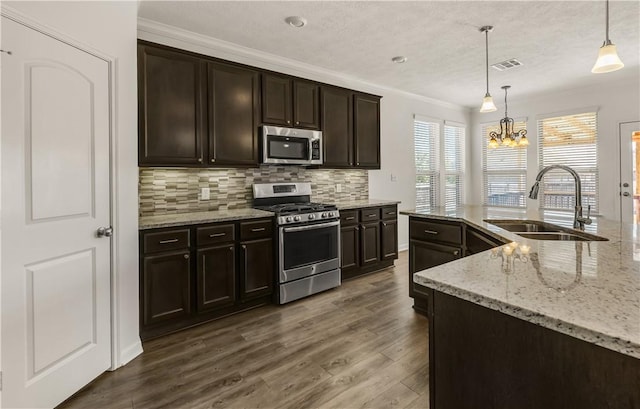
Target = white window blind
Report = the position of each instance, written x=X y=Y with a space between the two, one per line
x=453 y=164
x=569 y=140
x=427 y=149
x=504 y=171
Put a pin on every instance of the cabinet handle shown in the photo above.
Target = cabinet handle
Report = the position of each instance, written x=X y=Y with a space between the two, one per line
x=168 y=241
x=456 y=252
x=186 y=256
x=363 y=227
x=372 y=215
x=217 y=235
x=391 y=213
x=357 y=227
x=431 y=232
x=258 y=229
x=384 y=224
x=349 y=218
x=244 y=254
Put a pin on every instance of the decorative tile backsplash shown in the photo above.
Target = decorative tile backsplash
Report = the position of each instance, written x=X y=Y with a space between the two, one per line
x=163 y=190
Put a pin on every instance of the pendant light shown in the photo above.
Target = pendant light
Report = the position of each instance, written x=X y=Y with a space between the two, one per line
x=487 y=101
x=608 y=59
x=507 y=136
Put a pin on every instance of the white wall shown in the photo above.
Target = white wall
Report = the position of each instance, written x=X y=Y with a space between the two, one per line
x=397 y=109
x=110 y=28
x=617 y=102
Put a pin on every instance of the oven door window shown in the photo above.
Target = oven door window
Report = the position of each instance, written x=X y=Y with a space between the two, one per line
x=287 y=147
x=314 y=244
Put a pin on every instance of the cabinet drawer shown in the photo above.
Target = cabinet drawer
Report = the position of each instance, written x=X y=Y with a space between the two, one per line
x=256 y=230
x=370 y=214
x=389 y=213
x=434 y=231
x=166 y=240
x=215 y=234
x=349 y=217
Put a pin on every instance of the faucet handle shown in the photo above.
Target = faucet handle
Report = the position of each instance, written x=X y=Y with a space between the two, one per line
x=586 y=220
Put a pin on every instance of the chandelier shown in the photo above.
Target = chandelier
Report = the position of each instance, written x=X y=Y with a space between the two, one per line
x=507 y=136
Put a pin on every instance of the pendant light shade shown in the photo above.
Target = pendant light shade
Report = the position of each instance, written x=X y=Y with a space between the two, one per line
x=487 y=101
x=608 y=59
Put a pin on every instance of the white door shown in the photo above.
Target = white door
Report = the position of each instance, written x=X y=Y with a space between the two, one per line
x=55 y=194
x=630 y=172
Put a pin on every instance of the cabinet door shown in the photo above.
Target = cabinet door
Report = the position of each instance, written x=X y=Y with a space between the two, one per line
x=233 y=113
x=367 y=131
x=256 y=260
x=306 y=105
x=370 y=243
x=423 y=255
x=170 y=108
x=478 y=242
x=337 y=127
x=276 y=100
x=166 y=279
x=389 y=239
x=216 y=277
x=350 y=247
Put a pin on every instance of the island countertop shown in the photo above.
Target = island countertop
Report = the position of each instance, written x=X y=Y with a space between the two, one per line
x=588 y=290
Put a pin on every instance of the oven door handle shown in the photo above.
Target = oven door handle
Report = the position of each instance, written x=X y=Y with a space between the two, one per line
x=310 y=227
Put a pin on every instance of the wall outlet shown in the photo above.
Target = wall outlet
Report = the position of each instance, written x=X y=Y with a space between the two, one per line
x=205 y=193
x=394 y=178
x=338 y=188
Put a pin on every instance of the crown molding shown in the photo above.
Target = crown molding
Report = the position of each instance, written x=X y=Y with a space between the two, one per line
x=178 y=37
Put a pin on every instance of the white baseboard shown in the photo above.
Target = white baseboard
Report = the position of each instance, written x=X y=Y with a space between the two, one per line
x=129 y=353
x=403 y=246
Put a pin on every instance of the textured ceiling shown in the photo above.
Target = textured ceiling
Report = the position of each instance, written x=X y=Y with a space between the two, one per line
x=557 y=41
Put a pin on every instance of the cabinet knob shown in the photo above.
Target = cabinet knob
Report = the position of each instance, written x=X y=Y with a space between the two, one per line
x=358 y=163
x=231 y=248
x=200 y=160
x=186 y=256
x=456 y=252
x=297 y=122
x=213 y=160
x=288 y=122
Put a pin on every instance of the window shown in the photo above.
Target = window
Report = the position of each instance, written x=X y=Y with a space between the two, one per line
x=453 y=164
x=569 y=140
x=427 y=155
x=504 y=171
x=439 y=182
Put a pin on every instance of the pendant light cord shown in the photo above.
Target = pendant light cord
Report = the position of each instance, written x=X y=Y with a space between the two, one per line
x=505 y=103
x=486 y=36
x=607 y=25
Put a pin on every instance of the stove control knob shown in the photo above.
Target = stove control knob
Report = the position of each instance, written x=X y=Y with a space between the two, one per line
x=296 y=218
x=331 y=214
x=312 y=216
x=324 y=215
x=288 y=219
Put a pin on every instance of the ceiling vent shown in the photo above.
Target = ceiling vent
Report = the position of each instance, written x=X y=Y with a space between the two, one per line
x=507 y=65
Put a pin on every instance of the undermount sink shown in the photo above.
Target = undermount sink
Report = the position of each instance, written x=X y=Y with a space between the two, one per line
x=537 y=230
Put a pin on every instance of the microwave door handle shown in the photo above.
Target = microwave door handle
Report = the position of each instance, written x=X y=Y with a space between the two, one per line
x=311 y=227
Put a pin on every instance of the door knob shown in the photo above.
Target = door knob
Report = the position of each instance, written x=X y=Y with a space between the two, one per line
x=626 y=194
x=105 y=231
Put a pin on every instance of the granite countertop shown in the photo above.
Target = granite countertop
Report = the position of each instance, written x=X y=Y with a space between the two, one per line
x=589 y=290
x=182 y=219
x=355 y=204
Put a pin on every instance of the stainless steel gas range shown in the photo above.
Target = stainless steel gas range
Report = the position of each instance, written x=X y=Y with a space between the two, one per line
x=308 y=239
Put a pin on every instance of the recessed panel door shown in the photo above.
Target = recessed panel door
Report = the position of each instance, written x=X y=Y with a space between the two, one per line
x=55 y=195
x=630 y=172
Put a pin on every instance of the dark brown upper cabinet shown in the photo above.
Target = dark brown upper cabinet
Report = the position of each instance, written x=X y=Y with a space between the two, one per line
x=337 y=127
x=290 y=102
x=233 y=115
x=366 y=116
x=170 y=108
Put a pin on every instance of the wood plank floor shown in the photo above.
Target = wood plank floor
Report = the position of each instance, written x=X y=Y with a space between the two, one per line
x=358 y=346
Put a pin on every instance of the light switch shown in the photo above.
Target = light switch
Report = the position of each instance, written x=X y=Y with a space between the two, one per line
x=205 y=193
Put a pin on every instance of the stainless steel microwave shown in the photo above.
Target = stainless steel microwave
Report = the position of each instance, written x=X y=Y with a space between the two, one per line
x=291 y=146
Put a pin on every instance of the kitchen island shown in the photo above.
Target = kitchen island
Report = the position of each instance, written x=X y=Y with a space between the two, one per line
x=544 y=324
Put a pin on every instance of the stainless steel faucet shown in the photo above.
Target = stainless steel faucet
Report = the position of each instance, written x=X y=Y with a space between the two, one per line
x=578 y=220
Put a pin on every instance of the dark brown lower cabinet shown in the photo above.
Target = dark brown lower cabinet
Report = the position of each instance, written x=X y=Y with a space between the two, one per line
x=367 y=243
x=257 y=268
x=370 y=239
x=193 y=274
x=482 y=358
x=433 y=242
x=389 y=239
x=350 y=244
x=166 y=282
x=216 y=277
